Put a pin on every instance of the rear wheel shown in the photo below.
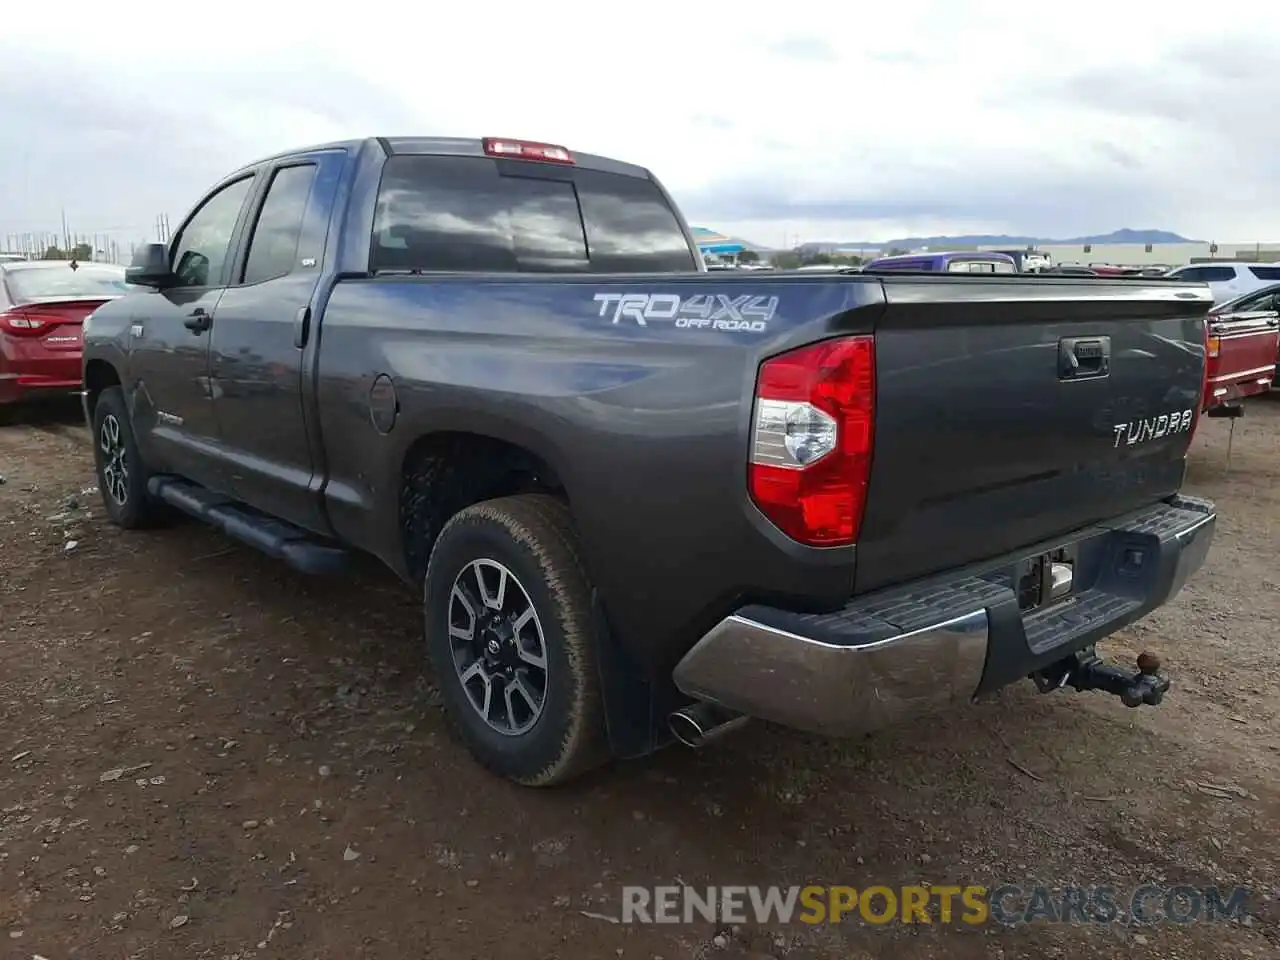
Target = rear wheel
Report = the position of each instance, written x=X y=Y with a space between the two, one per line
x=509 y=630
x=122 y=476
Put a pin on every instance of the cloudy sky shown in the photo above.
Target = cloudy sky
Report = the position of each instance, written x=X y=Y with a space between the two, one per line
x=774 y=121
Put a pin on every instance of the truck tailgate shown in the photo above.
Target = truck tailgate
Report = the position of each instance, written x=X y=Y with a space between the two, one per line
x=1011 y=411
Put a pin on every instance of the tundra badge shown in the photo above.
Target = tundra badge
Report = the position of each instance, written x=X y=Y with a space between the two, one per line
x=1153 y=428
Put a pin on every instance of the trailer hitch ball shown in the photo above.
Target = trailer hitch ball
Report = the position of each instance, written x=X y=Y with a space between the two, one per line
x=1148 y=686
x=1086 y=671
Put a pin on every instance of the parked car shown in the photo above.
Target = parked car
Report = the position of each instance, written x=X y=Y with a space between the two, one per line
x=42 y=305
x=1029 y=261
x=967 y=261
x=1229 y=280
x=641 y=501
x=1244 y=347
x=1069 y=270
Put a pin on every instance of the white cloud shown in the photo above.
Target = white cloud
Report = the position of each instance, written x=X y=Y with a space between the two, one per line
x=821 y=122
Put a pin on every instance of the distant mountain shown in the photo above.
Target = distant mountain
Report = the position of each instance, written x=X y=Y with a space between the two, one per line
x=1004 y=240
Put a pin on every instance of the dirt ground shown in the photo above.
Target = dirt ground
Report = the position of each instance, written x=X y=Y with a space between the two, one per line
x=204 y=755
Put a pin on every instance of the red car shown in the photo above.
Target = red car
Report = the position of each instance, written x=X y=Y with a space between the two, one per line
x=1244 y=338
x=42 y=305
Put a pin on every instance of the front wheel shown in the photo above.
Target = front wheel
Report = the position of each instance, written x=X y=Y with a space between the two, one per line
x=509 y=630
x=122 y=476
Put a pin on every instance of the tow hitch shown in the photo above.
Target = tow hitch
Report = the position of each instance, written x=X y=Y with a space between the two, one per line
x=1087 y=671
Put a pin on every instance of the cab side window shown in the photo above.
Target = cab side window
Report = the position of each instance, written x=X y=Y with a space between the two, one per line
x=203 y=244
x=273 y=248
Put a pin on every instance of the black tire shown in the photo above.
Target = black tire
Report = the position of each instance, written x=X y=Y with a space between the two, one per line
x=136 y=509
x=532 y=537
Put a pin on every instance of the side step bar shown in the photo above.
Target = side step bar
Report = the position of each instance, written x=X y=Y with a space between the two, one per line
x=276 y=538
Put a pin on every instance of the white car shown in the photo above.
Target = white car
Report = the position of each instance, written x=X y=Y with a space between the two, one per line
x=1229 y=280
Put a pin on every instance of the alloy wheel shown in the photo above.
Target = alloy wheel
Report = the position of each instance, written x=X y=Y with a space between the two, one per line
x=499 y=648
x=115 y=460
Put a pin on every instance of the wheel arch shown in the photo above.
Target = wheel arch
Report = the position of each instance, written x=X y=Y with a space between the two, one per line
x=445 y=471
x=99 y=375
x=628 y=692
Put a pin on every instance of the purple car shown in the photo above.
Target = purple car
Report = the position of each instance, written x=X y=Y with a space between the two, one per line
x=968 y=261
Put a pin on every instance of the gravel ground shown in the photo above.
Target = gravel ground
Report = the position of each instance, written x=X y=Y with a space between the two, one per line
x=204 y=755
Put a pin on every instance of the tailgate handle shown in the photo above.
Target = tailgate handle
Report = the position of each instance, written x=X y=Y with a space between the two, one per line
x=1084 y=358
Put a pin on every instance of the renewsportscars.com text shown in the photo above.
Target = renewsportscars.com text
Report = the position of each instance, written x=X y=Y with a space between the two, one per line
x=970 y=904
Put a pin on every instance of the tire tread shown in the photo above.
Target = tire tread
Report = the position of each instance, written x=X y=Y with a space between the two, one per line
x=543 y=525
x=142 y=511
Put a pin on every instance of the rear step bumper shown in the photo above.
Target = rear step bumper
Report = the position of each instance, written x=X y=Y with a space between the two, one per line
x=917 y=649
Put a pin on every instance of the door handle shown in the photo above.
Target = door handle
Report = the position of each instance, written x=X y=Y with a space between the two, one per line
x=1084 y=358
x=197 y=320
x=301 y=327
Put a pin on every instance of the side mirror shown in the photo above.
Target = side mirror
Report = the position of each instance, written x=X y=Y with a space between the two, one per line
x=150 y=267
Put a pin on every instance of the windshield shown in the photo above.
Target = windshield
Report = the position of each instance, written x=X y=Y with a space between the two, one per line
x=88 y=281
x=1249 y=301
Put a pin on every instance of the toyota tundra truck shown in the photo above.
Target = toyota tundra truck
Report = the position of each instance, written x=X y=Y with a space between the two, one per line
x=643 y=502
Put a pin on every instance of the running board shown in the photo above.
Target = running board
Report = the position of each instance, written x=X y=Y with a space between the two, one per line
x=276 y=538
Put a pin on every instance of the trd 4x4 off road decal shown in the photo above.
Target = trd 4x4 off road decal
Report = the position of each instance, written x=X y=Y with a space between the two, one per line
x=702 y=311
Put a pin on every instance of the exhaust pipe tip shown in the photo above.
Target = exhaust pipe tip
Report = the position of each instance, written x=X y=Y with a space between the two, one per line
x=698 y=724
x=685 y=728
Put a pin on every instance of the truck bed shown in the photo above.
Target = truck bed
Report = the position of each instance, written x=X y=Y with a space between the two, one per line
x=642 y=405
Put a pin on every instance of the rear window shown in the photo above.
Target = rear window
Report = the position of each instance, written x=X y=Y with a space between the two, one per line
x=88 y=281
x=1266 y=273
x=980 y=266
x=630 y=226
x=463 y=214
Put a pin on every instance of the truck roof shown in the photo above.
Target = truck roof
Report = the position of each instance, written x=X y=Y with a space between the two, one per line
x=449 y=147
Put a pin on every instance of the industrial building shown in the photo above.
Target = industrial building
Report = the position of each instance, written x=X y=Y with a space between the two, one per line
x=1155 y=254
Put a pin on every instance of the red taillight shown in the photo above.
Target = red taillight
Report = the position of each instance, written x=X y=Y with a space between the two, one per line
x=812 y=437
x=526 y=150
x=23 y=324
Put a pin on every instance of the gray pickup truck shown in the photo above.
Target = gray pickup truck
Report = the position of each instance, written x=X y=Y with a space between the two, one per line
x=642 y=501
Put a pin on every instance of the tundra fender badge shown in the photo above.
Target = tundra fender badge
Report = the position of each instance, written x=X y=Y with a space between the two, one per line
x=383 y=404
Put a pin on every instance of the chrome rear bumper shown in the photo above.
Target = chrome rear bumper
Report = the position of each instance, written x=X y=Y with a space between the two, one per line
x=917 y=650
x=836 y=690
